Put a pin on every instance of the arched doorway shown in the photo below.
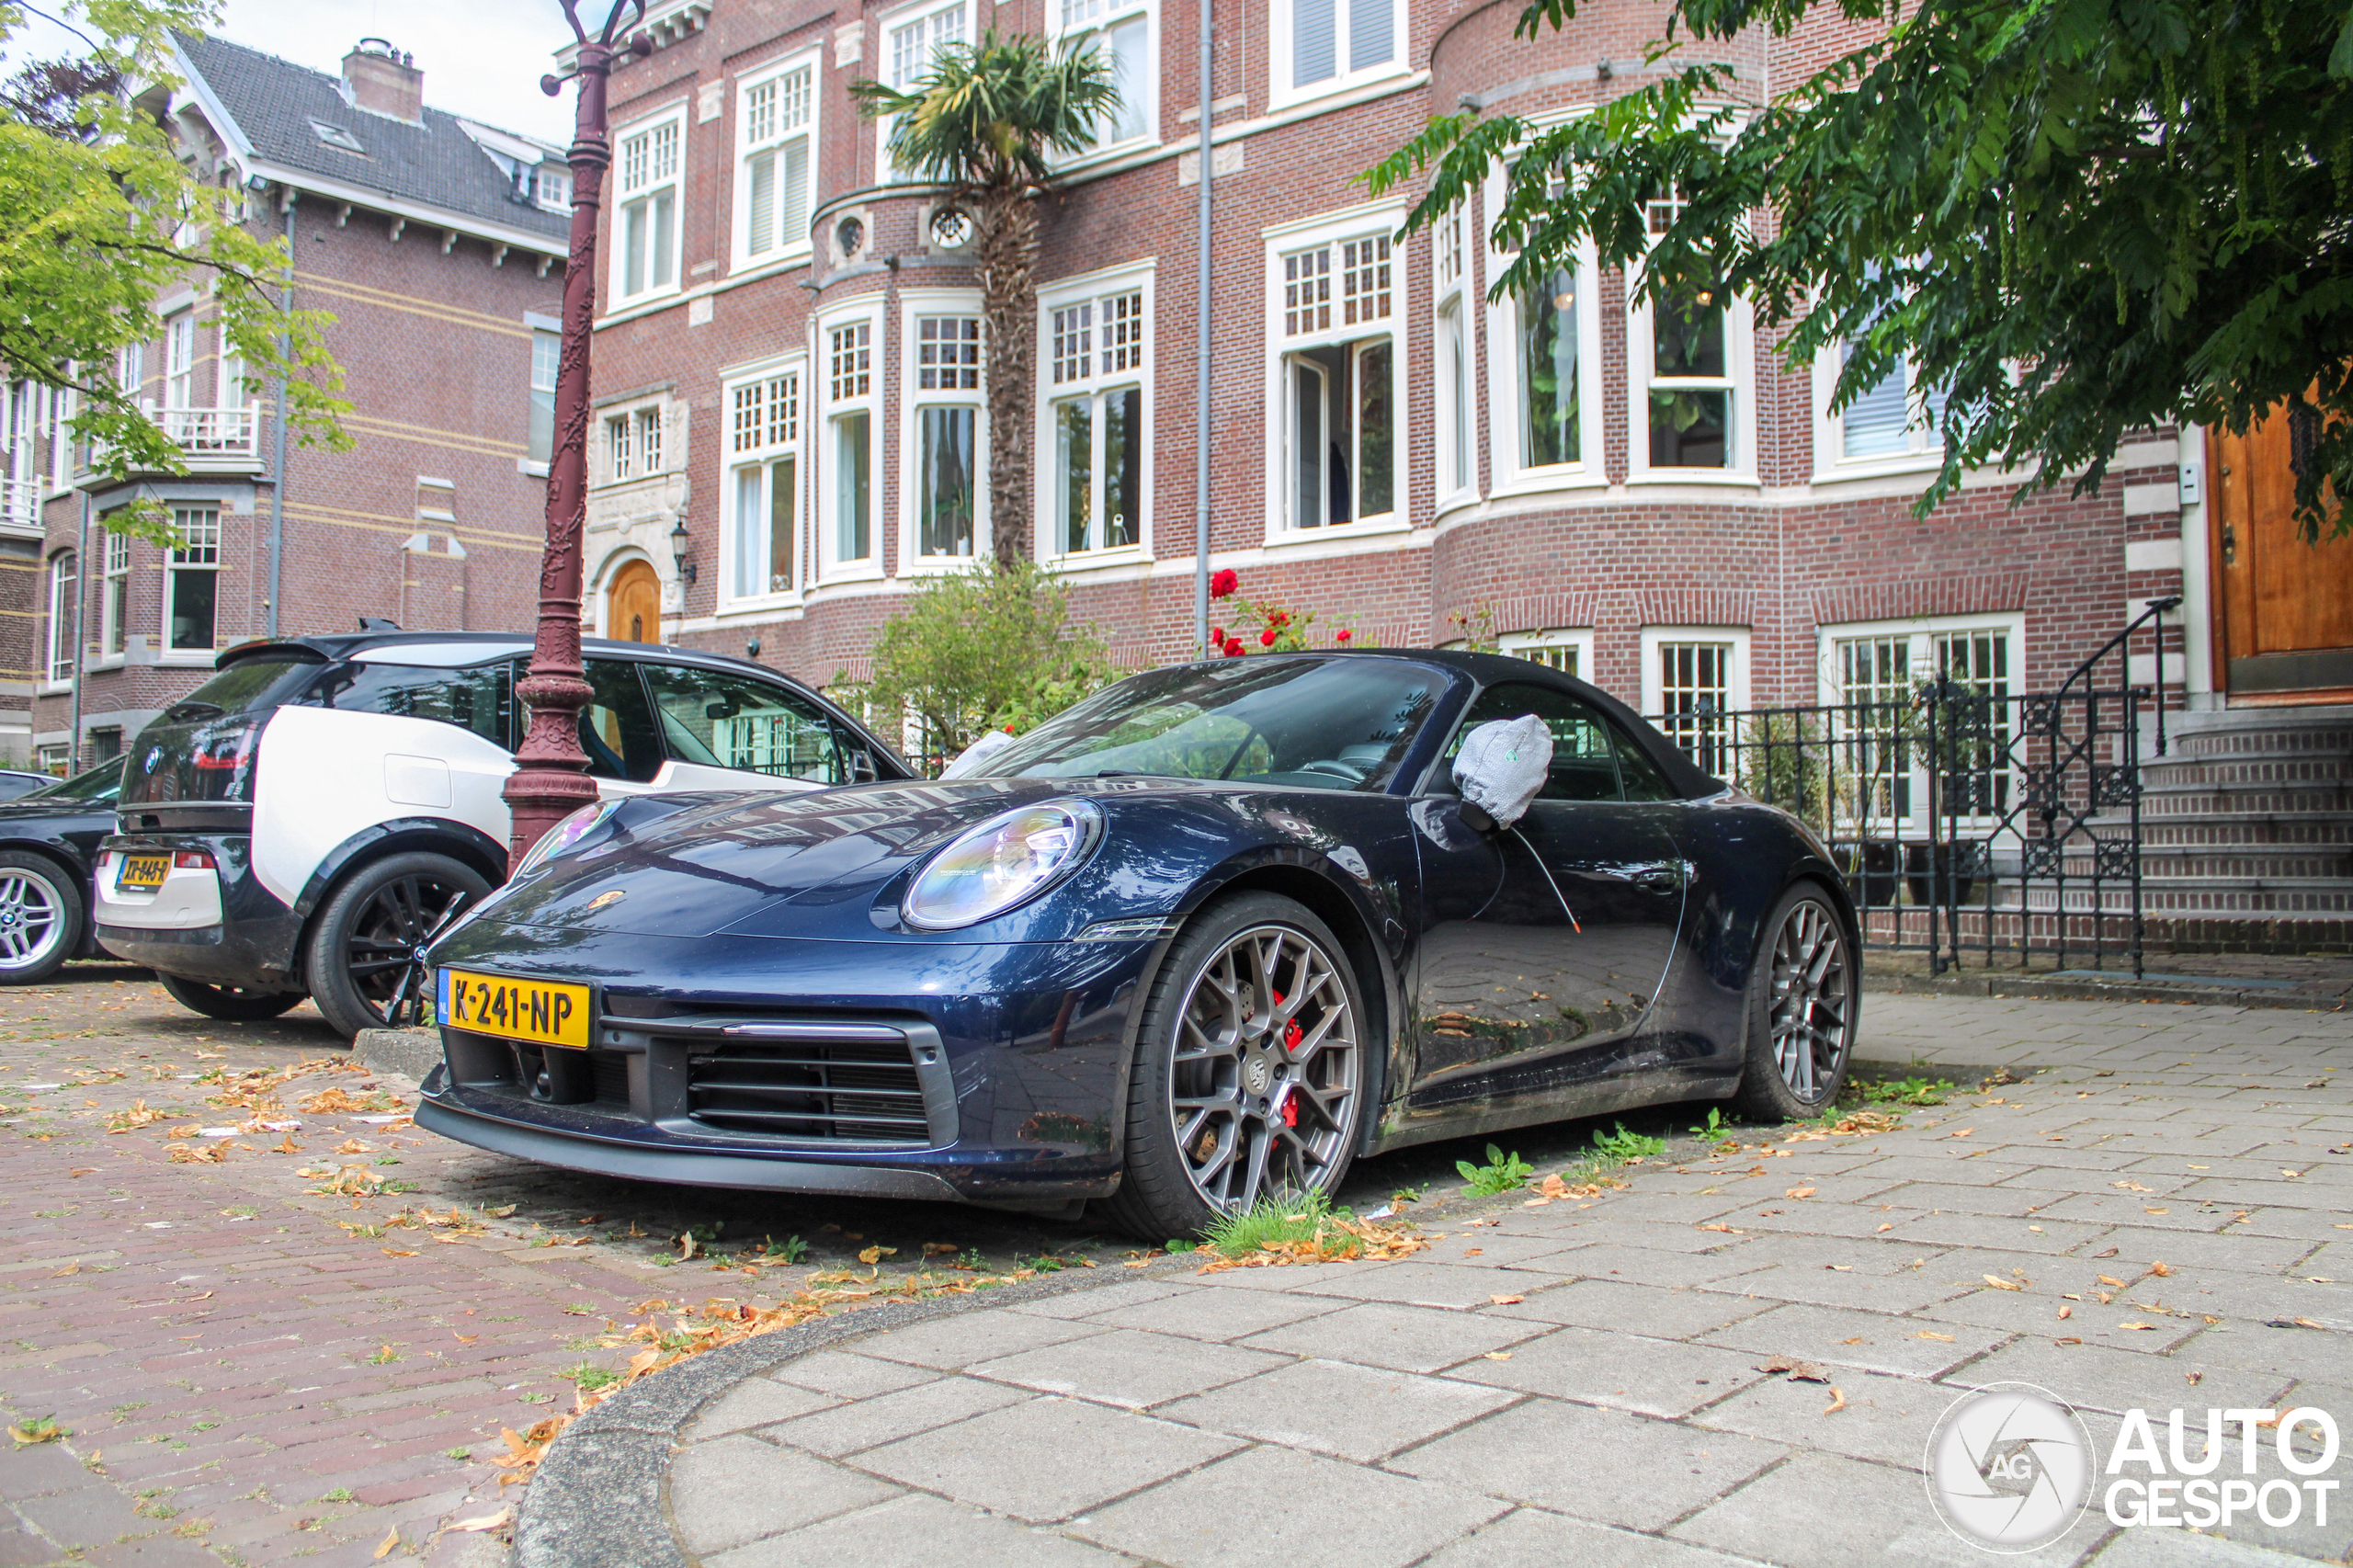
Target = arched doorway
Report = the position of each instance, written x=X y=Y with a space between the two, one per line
x=633 y=605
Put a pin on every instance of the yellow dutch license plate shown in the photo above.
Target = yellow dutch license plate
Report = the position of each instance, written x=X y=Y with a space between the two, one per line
x=544 y=1012
x=144 y=871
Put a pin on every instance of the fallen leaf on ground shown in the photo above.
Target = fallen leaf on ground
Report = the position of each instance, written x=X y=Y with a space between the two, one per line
x=286 y=1146
x=39 y=1434
x=2131 y=1187
x=940 y=1249
x=1498 y=1355
x=463 y=1338
x=1932 y=1334
x=354 y=1146
x=876 y=1254
x=2159 y=1269
x=1505 y=1301
x=1799 y=1371
x=384 y=1547
x=1552 y=1186
x=139 y=1115
x=1837 y=1401
x=395 y=1252
x=2136 y=1325
x=2000 y=1283
x=2071 y=1339
x=2195 y=1376
x=488 y=1521
x=2111 y=1279
x=1472 y=1252
x=1962 y=1133
x=2066 y=1311
x=1885 y=1225
x=1799 y=1192
x=193 y=1154
x=2146 y=1209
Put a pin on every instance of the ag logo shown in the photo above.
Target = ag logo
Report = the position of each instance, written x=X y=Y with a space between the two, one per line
x=2009 y=1467
x=611 y=896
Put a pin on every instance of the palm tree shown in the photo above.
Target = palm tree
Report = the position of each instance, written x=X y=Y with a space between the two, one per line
x=989 y=121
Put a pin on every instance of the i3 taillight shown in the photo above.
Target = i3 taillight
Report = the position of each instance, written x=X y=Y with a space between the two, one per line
x=192 y=859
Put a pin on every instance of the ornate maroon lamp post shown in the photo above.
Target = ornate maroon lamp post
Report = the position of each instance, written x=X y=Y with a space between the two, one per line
x=550 y=778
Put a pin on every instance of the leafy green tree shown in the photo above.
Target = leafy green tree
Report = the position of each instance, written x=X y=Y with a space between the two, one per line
x=99 y=217
x=989 y=648
x=990 y=121
x=2078 y=218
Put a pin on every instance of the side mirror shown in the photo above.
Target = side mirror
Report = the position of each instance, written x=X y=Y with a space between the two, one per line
x=1502 y=767
x=861 y=768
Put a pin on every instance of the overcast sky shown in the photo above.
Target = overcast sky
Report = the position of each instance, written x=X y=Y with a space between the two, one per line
x=481 y=58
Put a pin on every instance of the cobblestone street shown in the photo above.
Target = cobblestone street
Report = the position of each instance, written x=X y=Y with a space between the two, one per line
x=302 y=1341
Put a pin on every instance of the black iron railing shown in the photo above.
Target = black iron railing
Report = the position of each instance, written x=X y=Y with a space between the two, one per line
x=1968 y=819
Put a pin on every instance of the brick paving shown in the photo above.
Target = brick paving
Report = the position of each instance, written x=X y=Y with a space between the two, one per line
x=1588 y=1383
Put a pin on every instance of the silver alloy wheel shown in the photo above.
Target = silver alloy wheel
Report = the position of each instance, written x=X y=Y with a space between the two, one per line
x=1811 y=1004
x=1263 y=1085
x=32 y=919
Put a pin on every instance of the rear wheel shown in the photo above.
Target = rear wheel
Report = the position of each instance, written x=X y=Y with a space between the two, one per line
x=367 y=936
x=40 y=918
x=232 y=1004
x=1804 y=1004
x=1250 y=1070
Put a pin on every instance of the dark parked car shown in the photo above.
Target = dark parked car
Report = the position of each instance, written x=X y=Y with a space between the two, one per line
x=49 y=841
x=16 y=783
x=1204 y=937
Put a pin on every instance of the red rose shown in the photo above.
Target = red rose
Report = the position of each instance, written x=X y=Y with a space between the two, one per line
x=1281 y=618
x=1223 y=584
x=1267 y=638
x=1346 y=635
x=1217 y=636
x=1233 y=647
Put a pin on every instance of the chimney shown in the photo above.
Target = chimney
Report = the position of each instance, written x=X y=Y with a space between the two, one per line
x=381 y=79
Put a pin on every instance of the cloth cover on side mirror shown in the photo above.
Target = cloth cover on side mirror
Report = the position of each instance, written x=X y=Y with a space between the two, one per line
x=1503 y=764
x=979 y=752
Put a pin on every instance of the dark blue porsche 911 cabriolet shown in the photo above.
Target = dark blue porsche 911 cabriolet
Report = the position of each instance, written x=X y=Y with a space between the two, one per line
x=1202 y=939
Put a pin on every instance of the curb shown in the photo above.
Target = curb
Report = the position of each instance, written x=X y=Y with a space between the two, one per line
x=410 y=1052
x=2027 y=987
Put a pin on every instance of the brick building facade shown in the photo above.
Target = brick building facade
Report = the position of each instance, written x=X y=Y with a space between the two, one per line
x=437 y=246
x=786 y=340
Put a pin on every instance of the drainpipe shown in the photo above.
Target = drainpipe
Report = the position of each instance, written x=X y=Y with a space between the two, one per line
x=81 y=597
x=1201 y=369
x=277 y=435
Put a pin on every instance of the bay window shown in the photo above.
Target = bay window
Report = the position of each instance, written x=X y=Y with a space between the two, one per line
x=851 y=396
x=764 y=490
x=192 y=581
x=646 y=222
x=1457 y=458
x=942 y=440
x=1097 y=338
x=1336 y=305
x=911 y=41
x=1692 y=364
x=775 y=150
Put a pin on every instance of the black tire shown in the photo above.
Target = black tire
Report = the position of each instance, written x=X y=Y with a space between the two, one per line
x=42 y=917
x=1303 y=1056
x=232 y=1004
x=1805 y=1003
x=361 y=942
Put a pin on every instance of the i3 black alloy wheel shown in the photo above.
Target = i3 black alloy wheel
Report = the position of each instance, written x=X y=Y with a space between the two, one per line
x=1250 y=1070
x=1803 y=1005
x=230 y=1003
x=40 y=918
x=365 y=939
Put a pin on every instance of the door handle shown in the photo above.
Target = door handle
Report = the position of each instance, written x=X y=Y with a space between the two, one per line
x=1658 y=878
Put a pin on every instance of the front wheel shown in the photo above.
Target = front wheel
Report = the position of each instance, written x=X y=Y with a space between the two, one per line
x=1250 y=1070
x=365 y=937
x=40 y=918
x=230 y=1003
x=1804 y=1004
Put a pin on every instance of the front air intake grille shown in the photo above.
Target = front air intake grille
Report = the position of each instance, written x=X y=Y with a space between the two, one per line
x=828 y=1091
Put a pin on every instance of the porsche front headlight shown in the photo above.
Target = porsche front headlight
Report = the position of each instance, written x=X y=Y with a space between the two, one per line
x=1000 y=864
x=565 y=834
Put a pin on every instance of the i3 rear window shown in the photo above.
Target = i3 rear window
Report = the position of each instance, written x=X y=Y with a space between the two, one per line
x=480 y=700
x=252 y=686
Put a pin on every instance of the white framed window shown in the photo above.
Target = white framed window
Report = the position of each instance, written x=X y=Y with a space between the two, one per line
x=1888 y=429
x=943 y=492
x=776 y=158
x=192 y=582
x=1693 y=679
x=179 y=360
x=114 y=597
x=1455 y=349
x=547 y=358
x=1544 y=367
x=24 y=490
x=64 y=585
x=551 y=187
x=1336 y=295
x=1095 y=413
x=647 y=161
x=633 y=444
x=1874 y=669
x=1323 y=46
x=130 y=369
x=912 y=39
x=1567 y=649
x=763 y=484
x=850 y=375
x=1128 y=34
x=1691 y=377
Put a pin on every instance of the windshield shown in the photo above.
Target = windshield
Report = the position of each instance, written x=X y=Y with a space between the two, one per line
x=1301 y=723
x=249 y=685
x=103 y=782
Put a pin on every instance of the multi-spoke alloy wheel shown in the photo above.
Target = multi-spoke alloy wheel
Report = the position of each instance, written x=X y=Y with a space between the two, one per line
x=1803 y=998
x=38 y=918
x=364 y=943
x=1251 y=1069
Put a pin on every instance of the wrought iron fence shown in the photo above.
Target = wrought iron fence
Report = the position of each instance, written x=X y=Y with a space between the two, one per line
x=1968 y=820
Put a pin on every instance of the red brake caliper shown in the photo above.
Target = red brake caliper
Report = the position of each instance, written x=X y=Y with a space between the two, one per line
x=1292 y=1037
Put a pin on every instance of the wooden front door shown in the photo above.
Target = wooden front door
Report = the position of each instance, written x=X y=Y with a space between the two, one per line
x=633 y=605
x=2284 y=610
